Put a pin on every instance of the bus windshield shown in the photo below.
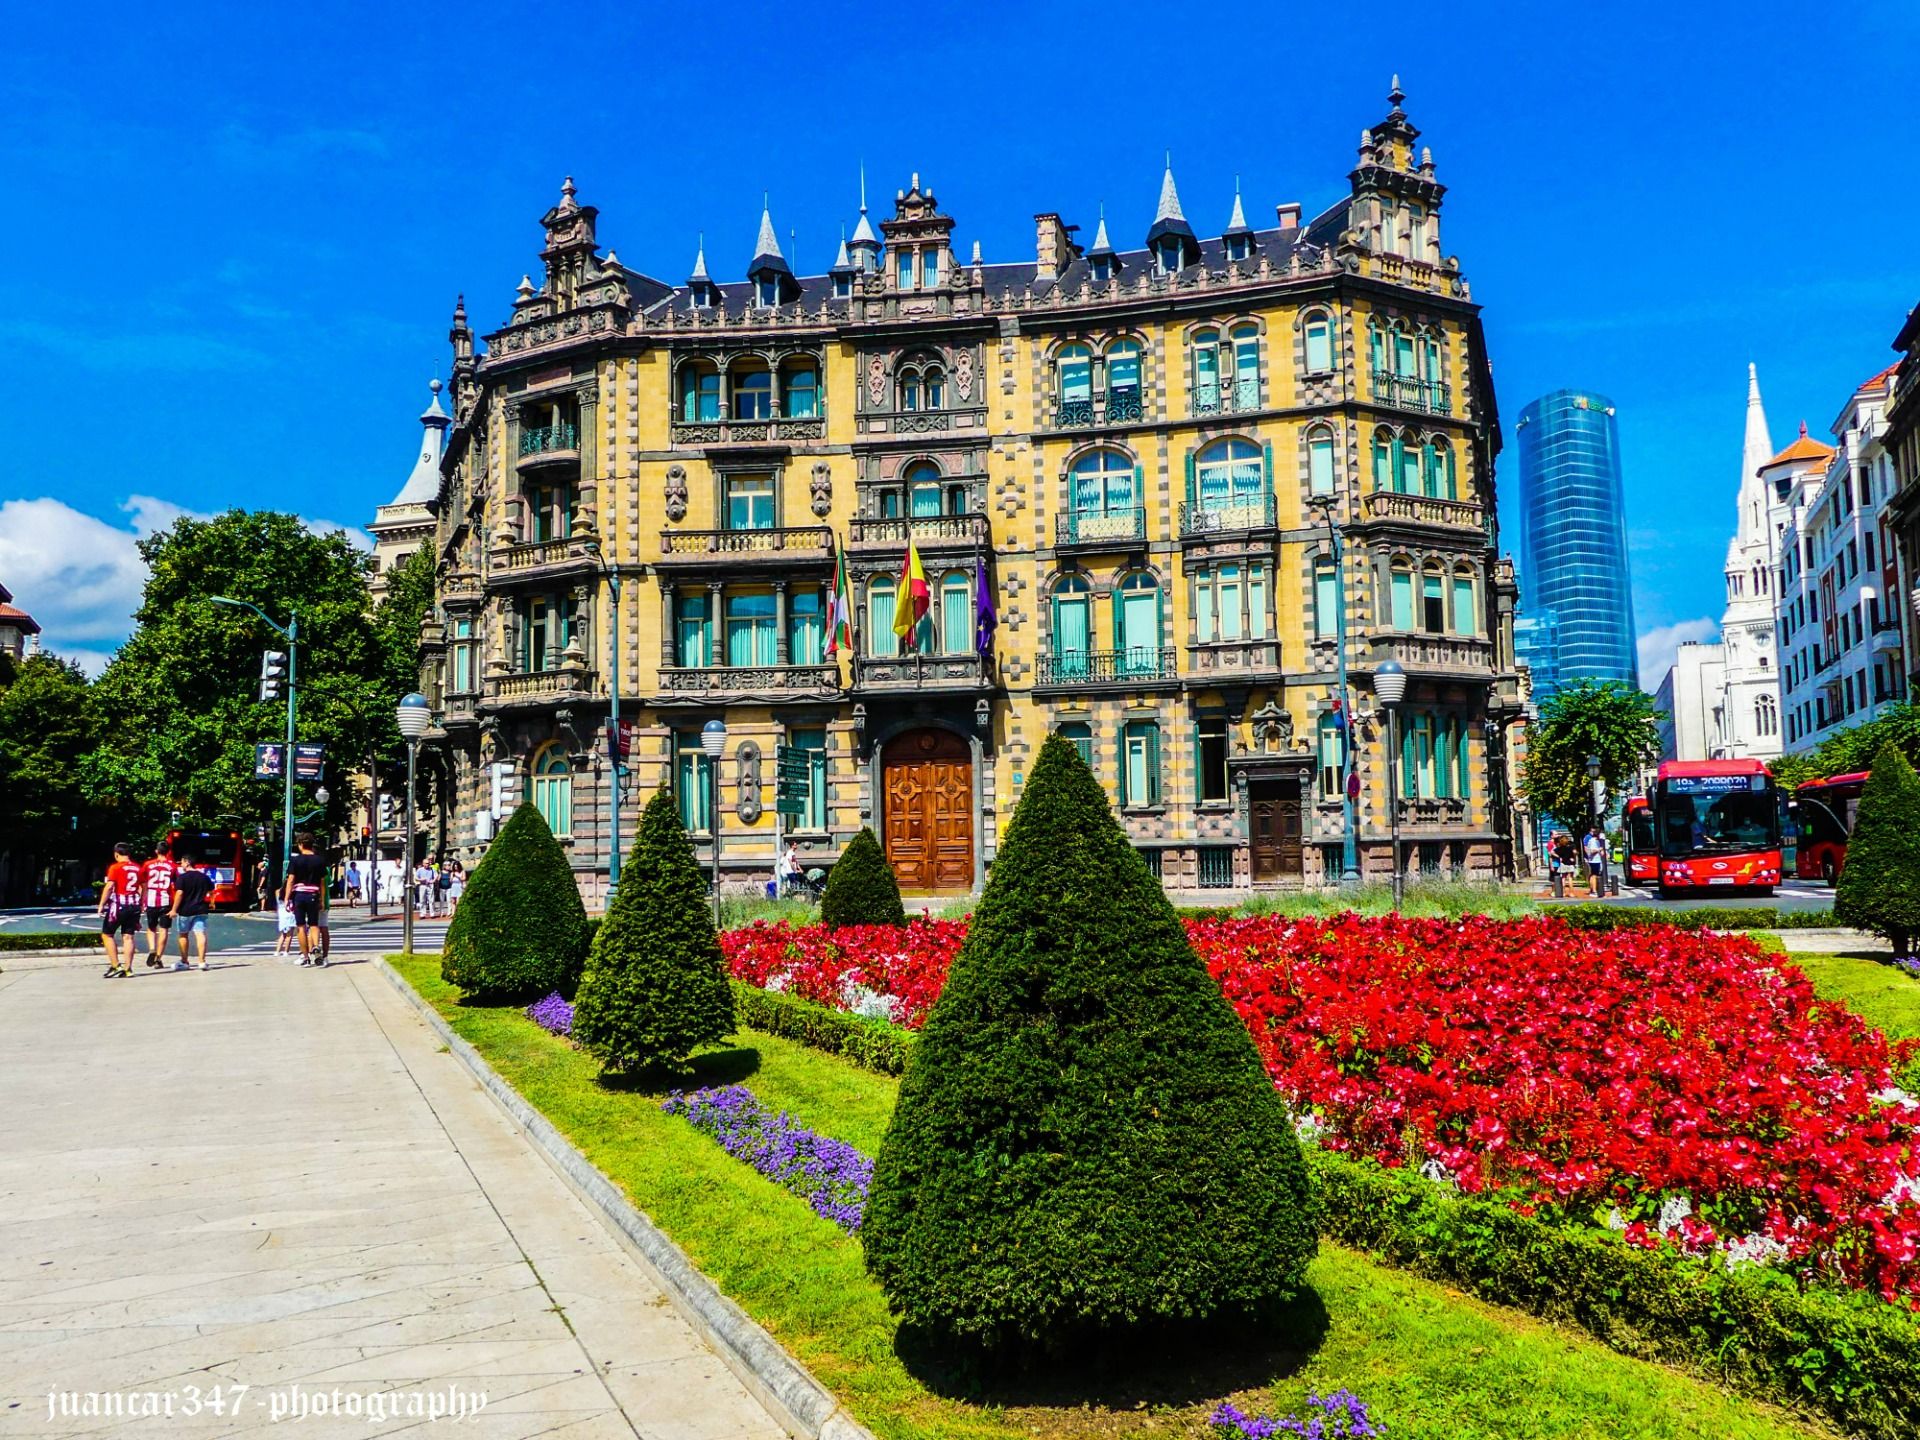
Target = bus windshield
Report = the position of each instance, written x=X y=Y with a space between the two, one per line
x=1699 y=822
x=204 y=847
x=1640 y=832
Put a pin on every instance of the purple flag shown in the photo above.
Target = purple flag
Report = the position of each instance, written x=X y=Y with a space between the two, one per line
x=985 y=619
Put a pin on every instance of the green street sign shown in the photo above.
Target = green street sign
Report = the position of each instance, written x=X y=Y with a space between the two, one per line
x=797 y=766
x=785 y=806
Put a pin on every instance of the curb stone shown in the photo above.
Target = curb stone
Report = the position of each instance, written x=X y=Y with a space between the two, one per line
x=798 y=1402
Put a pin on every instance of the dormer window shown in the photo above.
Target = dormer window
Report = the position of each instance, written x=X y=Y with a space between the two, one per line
x=843 y=287
x=1239 y=247
x=701 y=296
x=929 y=269
x=766 y=291
x=1102 y=269
x=1168 y=254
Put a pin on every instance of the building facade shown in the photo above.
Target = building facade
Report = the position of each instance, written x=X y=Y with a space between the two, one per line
x=18 y=629
x=1902 y=443
x=1691 y=701
x=1573 y=565
x=1839 y=598
x=1123 y=473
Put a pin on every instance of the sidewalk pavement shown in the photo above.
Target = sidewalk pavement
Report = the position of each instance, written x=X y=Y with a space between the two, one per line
x=272 y=1176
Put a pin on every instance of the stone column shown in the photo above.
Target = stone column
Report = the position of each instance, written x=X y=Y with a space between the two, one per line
x=716 y=624
x=669 y=626
x=780 y=647
x=585 y=503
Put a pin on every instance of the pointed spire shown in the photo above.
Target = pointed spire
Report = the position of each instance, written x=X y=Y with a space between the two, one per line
x=525 y=288
x=1758 y=446
x=567 y=193
x=1169 y=207
x=423 y=481
x=1237 y=222
x=1396 y=96
x=842 y=260
x=768 y=243
x=1101 y=245
x=1169 y=220
x=433 y=414
x=700 y=261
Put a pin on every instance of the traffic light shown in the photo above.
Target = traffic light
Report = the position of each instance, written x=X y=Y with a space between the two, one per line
x=273 y=676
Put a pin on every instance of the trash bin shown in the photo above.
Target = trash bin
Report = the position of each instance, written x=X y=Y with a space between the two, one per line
x=773 y=889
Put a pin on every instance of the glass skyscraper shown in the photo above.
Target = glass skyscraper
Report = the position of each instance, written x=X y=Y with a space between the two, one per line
x=1573 y=530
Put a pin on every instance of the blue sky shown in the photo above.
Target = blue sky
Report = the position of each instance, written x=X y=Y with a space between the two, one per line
x=234 y=233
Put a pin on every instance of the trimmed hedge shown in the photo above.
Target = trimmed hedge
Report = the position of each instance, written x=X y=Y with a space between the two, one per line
x=52 y=940
x=861 y=889
x=520 y=931
x=1853 y=1357
x=876 y=1045
x=1694 y=917
x=1880 y=888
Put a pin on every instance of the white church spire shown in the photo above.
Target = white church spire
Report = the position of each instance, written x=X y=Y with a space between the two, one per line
x=1758 y=448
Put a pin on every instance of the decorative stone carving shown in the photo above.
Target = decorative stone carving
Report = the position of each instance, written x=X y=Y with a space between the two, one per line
x=676 y=492
x=1274 y=729
x=877 y=382
x=963 y=374
x=822 y=487
x=746 y=762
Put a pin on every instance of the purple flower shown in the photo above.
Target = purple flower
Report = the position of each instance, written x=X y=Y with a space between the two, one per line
x=1340 y=1416
x=830 y=1175
x=552 y=1014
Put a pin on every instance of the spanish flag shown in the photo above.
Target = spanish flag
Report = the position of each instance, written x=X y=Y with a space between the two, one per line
x=914 y=599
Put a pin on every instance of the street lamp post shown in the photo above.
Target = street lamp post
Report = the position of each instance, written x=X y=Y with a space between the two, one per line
x=713 y=740
x=1349 y=845
x=1390 y=688
x=593 y=548
x=290 y=632
x=1596 y=801
x=413 y=717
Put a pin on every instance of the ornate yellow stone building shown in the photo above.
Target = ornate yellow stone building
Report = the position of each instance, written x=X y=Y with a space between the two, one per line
x=1146 y=458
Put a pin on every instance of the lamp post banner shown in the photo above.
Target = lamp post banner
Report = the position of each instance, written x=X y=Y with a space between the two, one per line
x=309 y=762
x=269 y=761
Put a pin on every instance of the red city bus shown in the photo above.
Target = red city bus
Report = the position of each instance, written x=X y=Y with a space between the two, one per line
x=1824 y=811
x=225 y=852
x=1718 y=823
x=1643 y=858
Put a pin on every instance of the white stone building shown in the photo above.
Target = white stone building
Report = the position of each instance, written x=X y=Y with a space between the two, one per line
x=406 y=522
x=1690 y=701
x=1839 y=611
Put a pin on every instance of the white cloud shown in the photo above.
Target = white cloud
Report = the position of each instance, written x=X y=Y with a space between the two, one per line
x=1657 y=647
x=81 y=577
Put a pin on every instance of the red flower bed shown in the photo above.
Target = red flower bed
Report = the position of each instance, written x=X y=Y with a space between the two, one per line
x=1647 y=1072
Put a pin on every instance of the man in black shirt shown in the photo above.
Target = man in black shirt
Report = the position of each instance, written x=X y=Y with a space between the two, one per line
x=306 y=880
x=192 y=895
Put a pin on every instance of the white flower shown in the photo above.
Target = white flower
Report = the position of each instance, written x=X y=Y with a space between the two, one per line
x=1907 y=1187
x=776 y=983
x=1755 y=1250
x=1894 y=1095
x=1615 y=1220
x=1433 y=1170
x=1673 y=1210
x=858 y=999
x=1309 y=1127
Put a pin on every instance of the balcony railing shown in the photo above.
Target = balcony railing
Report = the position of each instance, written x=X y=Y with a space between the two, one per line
x=801 y=542
x=930 y=530
x=1233 y=657
x=1123 y=405
x=542 y=555
x=1434 y=397
x=1072 y=414
x=746 y=431
x=1437 y=654
x=1135 y=665
x=758 y=679
x=1383 y=505
x=539 y=684
x=923 y=672
x=1101 y=527
x=1226 y=515
x=1214 y=397
x=546 y=439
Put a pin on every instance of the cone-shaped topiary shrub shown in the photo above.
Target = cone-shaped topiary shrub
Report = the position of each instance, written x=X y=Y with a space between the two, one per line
x=1879 y=888
x=1085 y=1143
x=861 y=889
x=656 y=984
x=520 y=931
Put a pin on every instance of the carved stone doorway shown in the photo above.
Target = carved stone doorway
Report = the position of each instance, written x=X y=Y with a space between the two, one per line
x=927 y=810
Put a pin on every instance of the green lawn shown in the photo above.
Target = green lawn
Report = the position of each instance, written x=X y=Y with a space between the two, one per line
x=1435 y=1365
x=1872 y=989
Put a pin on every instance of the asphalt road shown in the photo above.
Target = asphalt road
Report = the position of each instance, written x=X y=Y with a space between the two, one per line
x=224 y=932
x=1794 y=895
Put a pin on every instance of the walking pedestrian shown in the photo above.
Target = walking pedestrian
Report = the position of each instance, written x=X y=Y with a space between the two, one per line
x=353 y=882
x=442 y=888
x=119 y=911
x=787 y=872
x=1594 y=848
x=306 y=879
x=192 y=901
x=456 y=886
x=156 y=892
x=423 y=890
x=288 y=941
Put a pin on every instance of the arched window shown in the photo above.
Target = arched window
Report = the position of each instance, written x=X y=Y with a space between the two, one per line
x=956 y=613
x=1465 y=622
x=1319 y=461
x=1400 y=593
x=1766 y=720
x=1326 y=598
x=933 y=387
x=923 y=488
x=1079 y=734
x=1329 y=747
x=1123 y=381
x=1101 y=482
x=1319 y=334
x=799 y=390
x=881 y=641
x=1206 y=371
x=1433 y=601
x=699 y=391
x=550 y=787
x=1136 y=625
x=1405 y=363
x=1246 y=367
x=1383 y=466
x=752 y=392
x=1072 y=626
x=1229 y=474
x=1074 y=371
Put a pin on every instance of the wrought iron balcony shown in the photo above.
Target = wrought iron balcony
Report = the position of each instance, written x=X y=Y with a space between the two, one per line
x=1226 y=514
x=1442 y=655
x=697 y=547
x=1386 y=506
x=1073 y=414
x=1431 y=397
x=968 y=531
x=1232 y=397
x=1097 y=529
x=1137 y=665
x=923 y=672
x=733 y=682
x=562 y=436
x=1123 y=405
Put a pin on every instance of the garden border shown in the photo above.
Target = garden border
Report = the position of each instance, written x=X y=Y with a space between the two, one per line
x=799 y=1403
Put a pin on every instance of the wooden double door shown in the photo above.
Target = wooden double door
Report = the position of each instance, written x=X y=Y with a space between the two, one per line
x=927 y=810
x=1275 y=807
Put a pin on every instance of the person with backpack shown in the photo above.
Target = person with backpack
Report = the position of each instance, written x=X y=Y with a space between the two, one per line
x=442 y=889
x=119 y=911
x=156 y=891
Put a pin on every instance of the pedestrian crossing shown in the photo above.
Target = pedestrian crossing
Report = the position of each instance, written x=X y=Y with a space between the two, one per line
x=363 y=938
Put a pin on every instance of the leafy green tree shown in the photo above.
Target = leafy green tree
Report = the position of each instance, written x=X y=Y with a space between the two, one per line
x=520 y=931
x=1790 y=772
x=656 y=987
x=48 y=723
x=1085 y=1139
x=861 y=889
x=1879 y=888
x=180 y=699
x=1856 y=748
x=1606 y=718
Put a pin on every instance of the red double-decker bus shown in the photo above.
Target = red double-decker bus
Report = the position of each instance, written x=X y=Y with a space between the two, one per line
x=1643 y=854
x=225 y=853
x=1824 y=810
x=1718 y=824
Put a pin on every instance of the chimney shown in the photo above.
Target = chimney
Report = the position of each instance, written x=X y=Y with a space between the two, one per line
x=1053 y=246
x=1289 y=214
